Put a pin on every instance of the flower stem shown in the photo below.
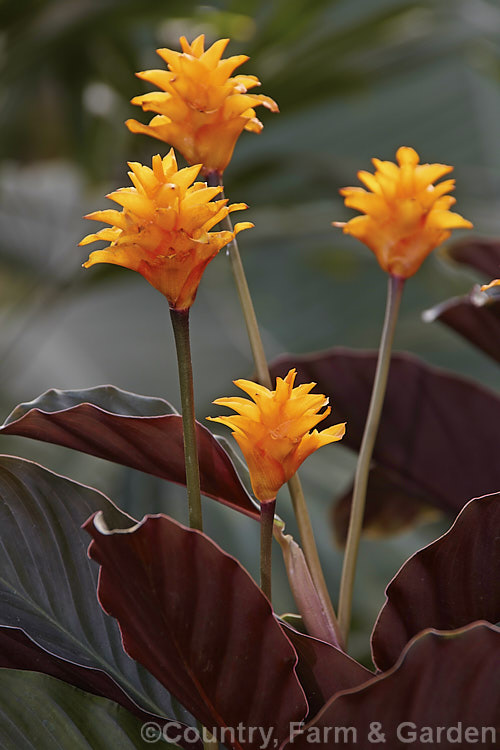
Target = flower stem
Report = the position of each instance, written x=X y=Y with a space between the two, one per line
x=266 y=543
x=180 y=324
x=254 y=337
x=394 y=292
x=264 y=378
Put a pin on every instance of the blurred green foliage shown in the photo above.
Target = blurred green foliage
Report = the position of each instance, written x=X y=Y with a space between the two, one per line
x=354 y=79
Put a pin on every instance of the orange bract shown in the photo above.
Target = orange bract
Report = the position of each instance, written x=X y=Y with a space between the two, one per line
x=163 y=228
x=201 y=110
x=406 y=215
x=273 y=430
x=495 y=282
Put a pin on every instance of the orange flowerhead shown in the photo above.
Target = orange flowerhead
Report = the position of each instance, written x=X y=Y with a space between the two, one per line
x=495 y=282
x=273 y=430
x=201 y=110
x=163 y=228
x=405 y=215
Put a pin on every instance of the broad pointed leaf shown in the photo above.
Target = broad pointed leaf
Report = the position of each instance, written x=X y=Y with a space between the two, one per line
x=143 y=433
x=475 y=316
x=323 y=670
x=17 y=651
x=439 y=433
x=48 y=584
x=446 y=585
x=480 y=253
x=38 y=712
x=441 y=680
x=193 y=617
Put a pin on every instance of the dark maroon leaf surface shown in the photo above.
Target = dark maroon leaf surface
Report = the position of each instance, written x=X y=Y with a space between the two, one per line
x=196 y=620
x=442 y=680
x=446 y=585
x=323 y=670
x=439 y=433
x=479 y=324
x=392 y=506
x=480 y=253
x=143 y=433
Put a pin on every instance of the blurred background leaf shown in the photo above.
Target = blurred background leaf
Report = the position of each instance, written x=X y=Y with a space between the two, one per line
x=354 y=79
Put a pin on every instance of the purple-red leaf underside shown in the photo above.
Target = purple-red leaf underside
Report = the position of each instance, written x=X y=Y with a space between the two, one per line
x=152 y=443
x=479 y=324
x=323 y=670
x=446 y=585
x=480 y=253
x=196 y=620
x=448 y=680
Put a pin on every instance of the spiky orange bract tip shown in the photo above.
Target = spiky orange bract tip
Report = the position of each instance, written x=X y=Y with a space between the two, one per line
x=406 y=216
x=273 y=430
x=201 y=109
x=495 y=282
x=163 y=228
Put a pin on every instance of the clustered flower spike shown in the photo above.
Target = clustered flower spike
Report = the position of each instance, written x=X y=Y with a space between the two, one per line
x=273 y=430
x=201 y=109
x=406 y=216
x=163 y=228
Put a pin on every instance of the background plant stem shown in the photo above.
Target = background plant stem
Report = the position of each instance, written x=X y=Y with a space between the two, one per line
x=394 y=292
x=214 y=179
x=180 y=324
x=266 y=545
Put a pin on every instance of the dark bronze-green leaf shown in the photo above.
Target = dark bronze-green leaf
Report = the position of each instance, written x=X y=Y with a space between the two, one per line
x=48 y=584
x=38 y=712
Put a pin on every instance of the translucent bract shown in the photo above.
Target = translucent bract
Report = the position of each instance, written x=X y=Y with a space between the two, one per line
x=495 y=282
x=201 y=108
x=163 y=228
x=406 y=216
x=273 y=430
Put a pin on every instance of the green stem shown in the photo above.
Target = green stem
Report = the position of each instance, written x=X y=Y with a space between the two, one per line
x=214 y=179
x=254 y=337
x=264 y=378
x=394 y=292
x=180 y=324
x=311 y=551
x=266 y=544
